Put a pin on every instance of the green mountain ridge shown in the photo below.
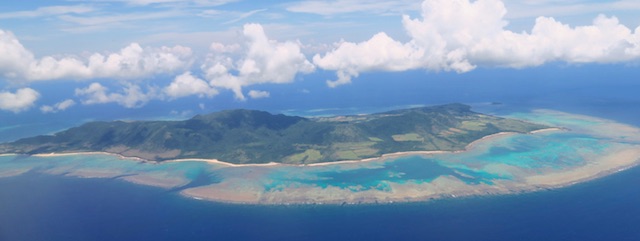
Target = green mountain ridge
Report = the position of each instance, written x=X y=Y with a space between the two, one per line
x=251 y=136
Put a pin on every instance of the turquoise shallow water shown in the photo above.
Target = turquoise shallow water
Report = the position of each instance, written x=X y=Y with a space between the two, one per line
x=557 y=150
x=401 y=170
x=503 y=158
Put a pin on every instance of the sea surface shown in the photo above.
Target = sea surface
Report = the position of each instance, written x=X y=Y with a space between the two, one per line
x=37 y=206
x=52 y=208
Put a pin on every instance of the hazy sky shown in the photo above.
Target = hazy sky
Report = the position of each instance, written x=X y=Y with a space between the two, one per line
x=130 y=52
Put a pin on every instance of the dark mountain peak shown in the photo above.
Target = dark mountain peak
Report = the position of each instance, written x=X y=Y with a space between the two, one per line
x=454 y=108
x=248 y=118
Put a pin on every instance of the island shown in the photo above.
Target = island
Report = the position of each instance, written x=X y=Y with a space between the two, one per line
x=253 y=137
x=416 y=154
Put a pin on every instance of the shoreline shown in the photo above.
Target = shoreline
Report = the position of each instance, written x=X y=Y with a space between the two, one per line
x=615 y=160
x=469 y=146
x=464 y=191
x=216 y=161
x=119 y=156
x=382 y=157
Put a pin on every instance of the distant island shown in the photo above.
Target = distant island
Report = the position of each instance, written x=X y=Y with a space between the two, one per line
x=253 y=137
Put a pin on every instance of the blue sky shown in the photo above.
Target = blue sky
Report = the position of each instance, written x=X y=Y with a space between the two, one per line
x=132 y=52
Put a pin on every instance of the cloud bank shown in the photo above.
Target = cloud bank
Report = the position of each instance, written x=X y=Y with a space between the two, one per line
x=131 y=96
x=448 y=35
x=18 y=63
x=259 y=61
x=460 y=35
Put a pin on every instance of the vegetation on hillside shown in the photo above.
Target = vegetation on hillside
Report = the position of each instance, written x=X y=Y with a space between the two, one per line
x=249 y=136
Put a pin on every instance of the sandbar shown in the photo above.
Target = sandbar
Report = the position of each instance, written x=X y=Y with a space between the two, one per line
x=616 y=161
x=161 y=181
x=58 y=154
x=216 y=161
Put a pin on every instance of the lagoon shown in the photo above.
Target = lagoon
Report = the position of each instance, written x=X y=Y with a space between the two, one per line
x=581 y=148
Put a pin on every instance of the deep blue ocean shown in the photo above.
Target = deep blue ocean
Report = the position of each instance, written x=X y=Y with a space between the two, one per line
x=55 y=208
x=51 y=208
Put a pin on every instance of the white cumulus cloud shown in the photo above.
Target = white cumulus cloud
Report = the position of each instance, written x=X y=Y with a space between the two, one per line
x=257 y=94
x=131 y=96
x=460 y=35
x=21 y=100
x=131 y=62
x=262 y=61
x=60 y=106
x=186 y=84
x=380 y=52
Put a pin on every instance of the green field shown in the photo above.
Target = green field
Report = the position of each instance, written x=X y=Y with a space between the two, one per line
x=408 y=137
